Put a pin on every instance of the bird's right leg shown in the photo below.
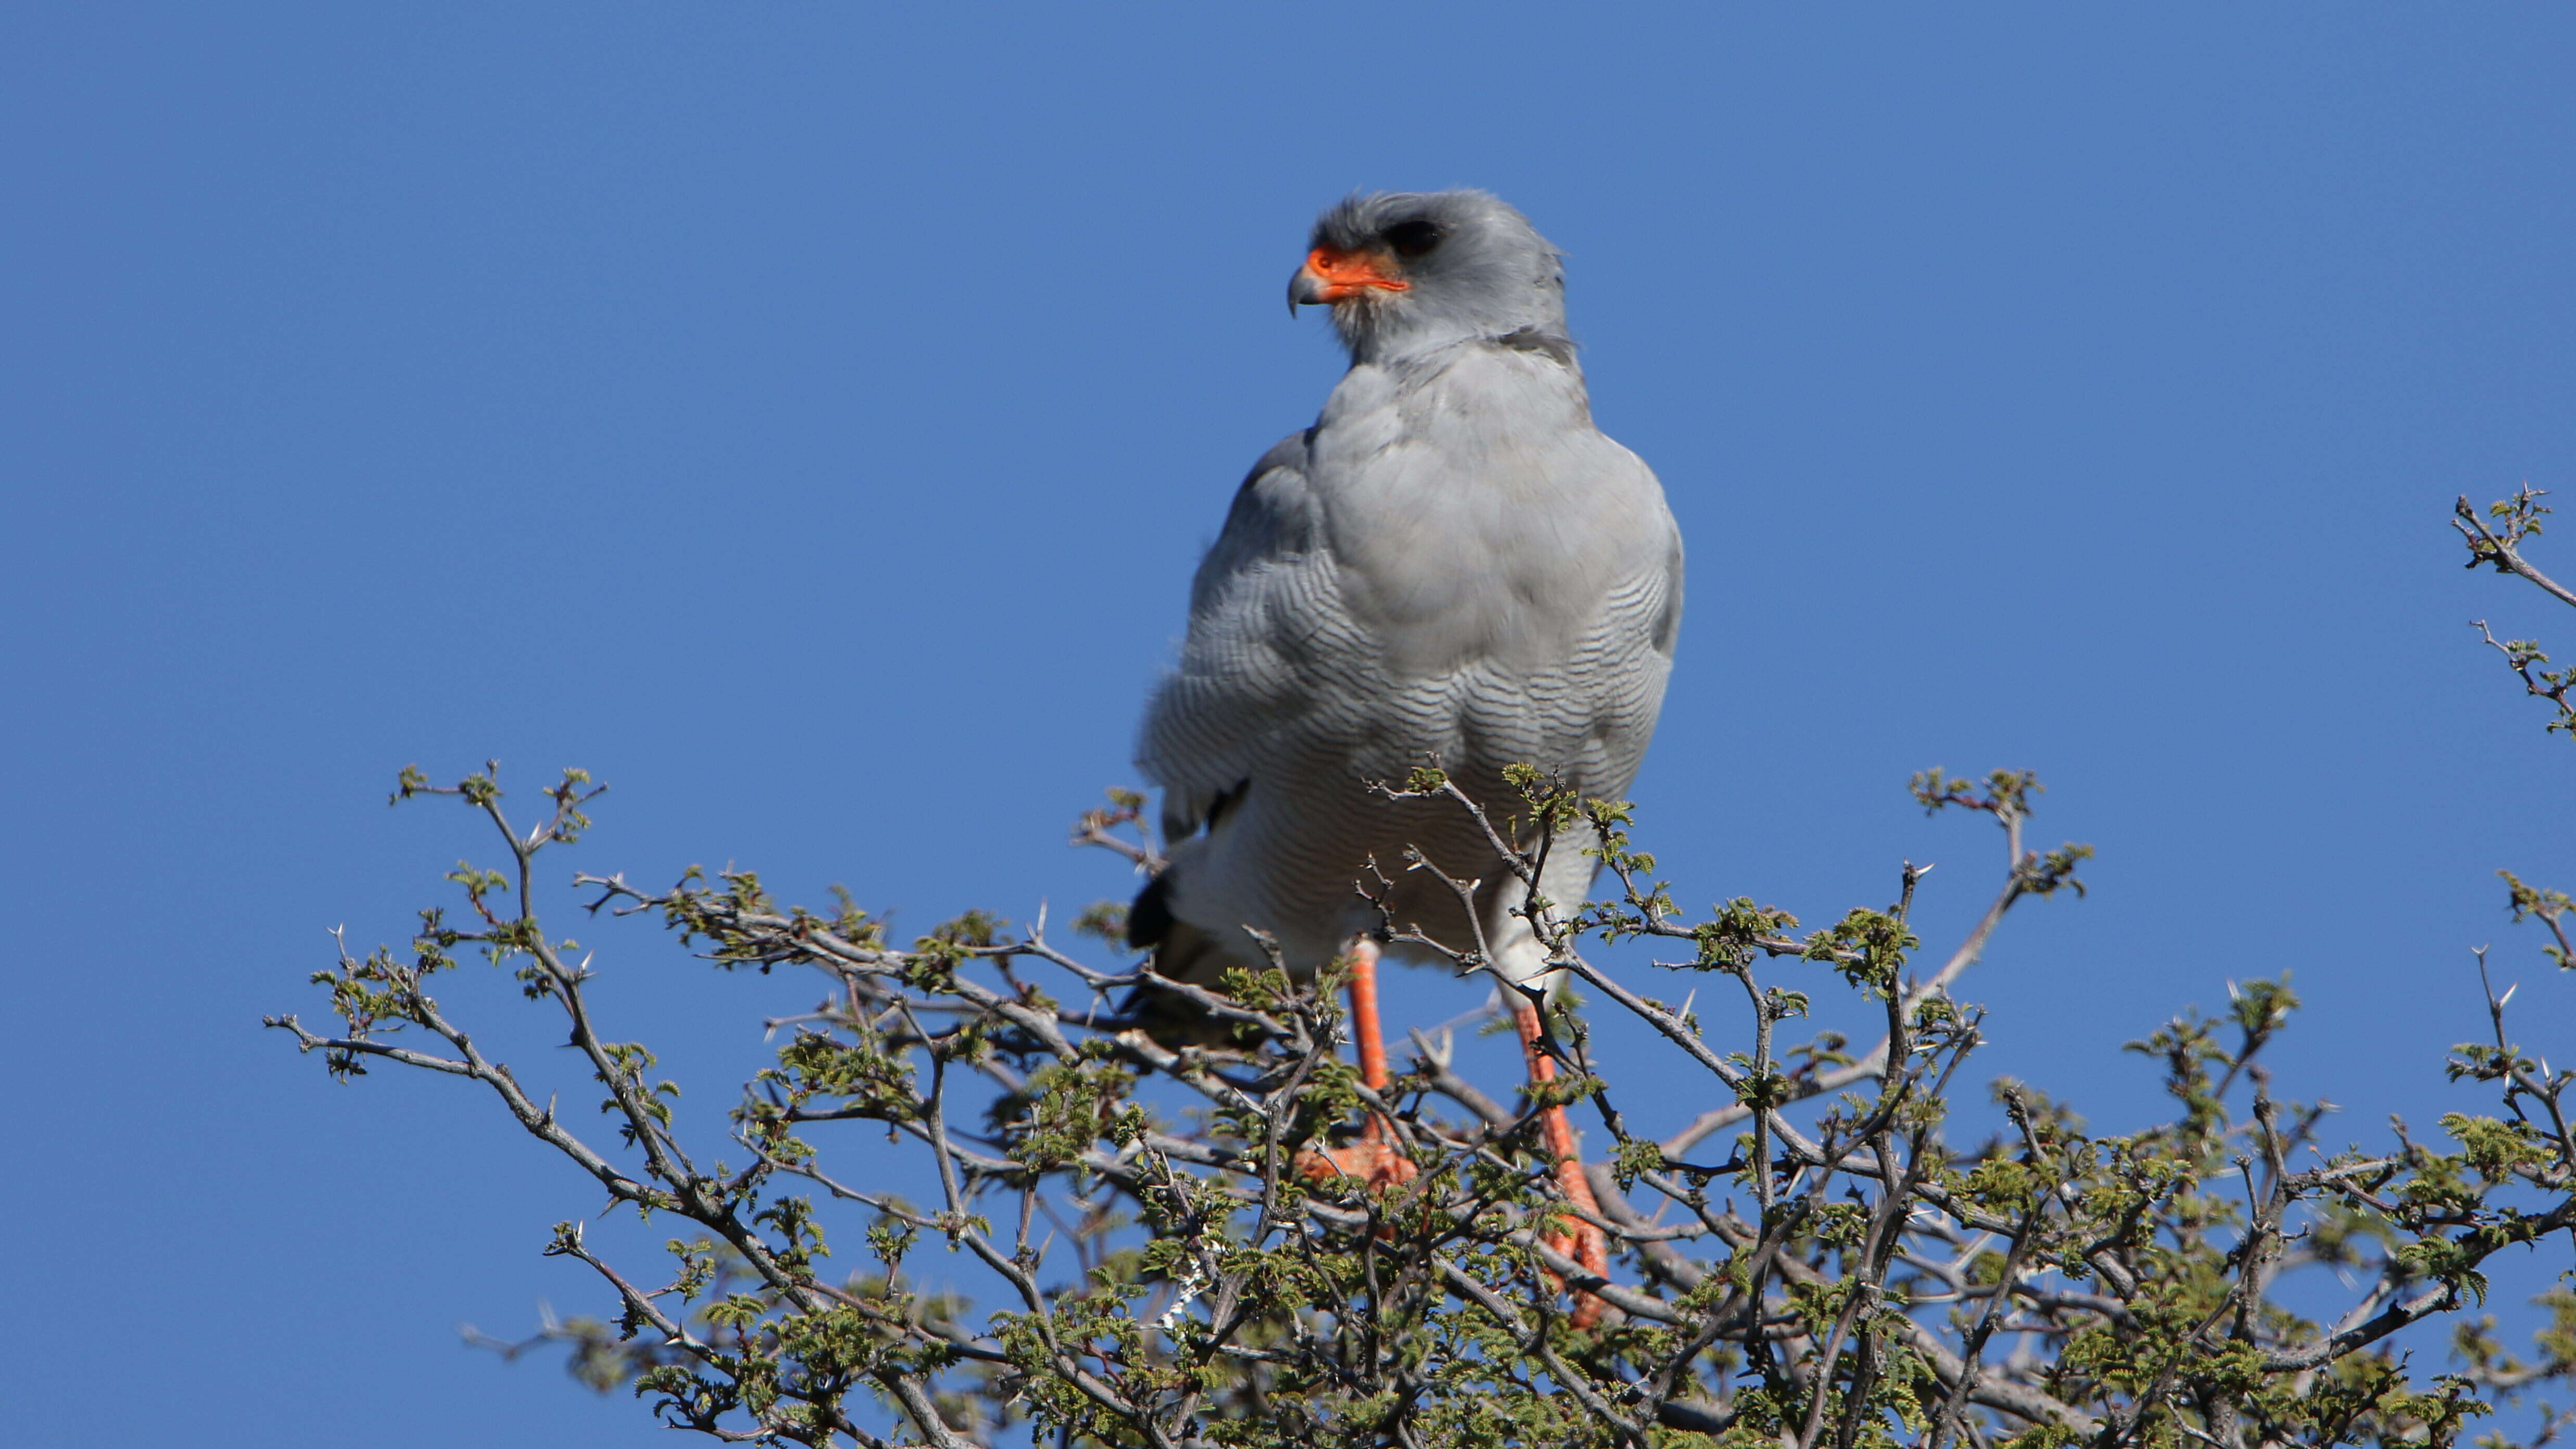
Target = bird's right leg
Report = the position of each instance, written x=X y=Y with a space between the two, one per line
x=1372 y=1159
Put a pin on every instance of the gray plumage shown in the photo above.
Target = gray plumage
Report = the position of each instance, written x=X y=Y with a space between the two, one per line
x=1452 y=566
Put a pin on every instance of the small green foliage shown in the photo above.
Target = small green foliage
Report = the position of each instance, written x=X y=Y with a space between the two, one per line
x=2495 y=542
x=1214 y=1242
x=1634 y=1157
x=1547 y=805
x=1071 y=1105
x=2549 y=907
x=2497 y=1149
x=1729 y=939
x=2509 y=521
x=2047 y=873
x=1868 y=947
x=1103 y=921
x=936 y=957
x=2004 y=794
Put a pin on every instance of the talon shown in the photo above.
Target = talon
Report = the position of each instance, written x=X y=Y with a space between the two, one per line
x=1371 y=1160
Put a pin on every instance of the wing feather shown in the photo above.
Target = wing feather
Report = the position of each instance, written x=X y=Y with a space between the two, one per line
x=1246 y=668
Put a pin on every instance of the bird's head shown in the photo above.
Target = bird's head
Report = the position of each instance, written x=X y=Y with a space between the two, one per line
x=1405 y=272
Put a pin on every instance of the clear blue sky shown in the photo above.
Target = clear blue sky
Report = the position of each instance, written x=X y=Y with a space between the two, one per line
x=806 y=416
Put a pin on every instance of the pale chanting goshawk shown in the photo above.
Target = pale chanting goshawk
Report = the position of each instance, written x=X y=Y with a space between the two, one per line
x=1453 y=566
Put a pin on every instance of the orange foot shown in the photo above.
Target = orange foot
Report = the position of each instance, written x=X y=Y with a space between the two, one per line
x=1371 y=1160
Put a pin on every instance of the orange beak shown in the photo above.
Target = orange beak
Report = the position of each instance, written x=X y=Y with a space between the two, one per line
x=1331 y=276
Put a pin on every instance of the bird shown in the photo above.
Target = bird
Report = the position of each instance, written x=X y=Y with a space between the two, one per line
x=1452 y=566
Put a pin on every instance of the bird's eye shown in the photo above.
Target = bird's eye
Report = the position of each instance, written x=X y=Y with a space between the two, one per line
x=1412 y=239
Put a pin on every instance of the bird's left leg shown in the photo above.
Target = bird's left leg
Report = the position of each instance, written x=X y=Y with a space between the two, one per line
x=1578 y=1238
x=1372 y=1159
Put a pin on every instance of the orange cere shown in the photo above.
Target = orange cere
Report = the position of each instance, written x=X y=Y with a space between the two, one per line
x=1348 y=274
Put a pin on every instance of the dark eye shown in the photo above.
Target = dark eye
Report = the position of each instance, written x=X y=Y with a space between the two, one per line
x=1412 y=239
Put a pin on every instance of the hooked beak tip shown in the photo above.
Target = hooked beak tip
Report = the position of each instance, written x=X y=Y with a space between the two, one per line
x=1305 y=289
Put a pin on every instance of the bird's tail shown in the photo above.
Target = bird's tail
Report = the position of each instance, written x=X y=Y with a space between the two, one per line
x=1182 y=952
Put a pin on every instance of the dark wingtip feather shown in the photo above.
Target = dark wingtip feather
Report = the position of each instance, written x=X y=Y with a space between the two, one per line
x=1149 y=920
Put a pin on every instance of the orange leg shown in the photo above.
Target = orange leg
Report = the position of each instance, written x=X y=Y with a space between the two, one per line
x=1579 y=1240
x=1372 y=1159
x=1364 y=1024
